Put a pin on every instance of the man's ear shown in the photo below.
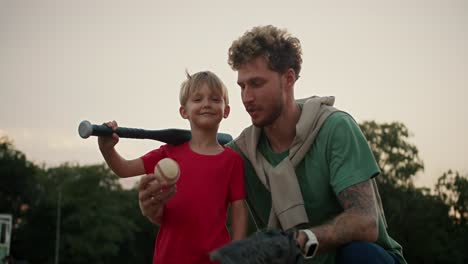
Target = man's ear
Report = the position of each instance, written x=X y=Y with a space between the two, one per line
x=227 y=110
x=183 y=112
x=290 y=76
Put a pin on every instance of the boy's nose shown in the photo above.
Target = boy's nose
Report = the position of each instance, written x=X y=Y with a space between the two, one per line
x=206 y=103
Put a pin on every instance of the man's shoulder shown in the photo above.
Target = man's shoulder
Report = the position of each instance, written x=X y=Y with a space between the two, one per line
x=337 y=125
x=339 y=117
x=339 y=120
x=232 y=150
x=232 y=144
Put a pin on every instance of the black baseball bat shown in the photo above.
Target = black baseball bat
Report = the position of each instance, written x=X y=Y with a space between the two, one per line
x=173 y=136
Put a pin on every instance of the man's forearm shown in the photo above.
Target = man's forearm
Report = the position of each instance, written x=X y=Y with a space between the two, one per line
x=358 y=221
x=345 y=228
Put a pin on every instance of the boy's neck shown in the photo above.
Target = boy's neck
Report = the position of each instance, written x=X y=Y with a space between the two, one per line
x=205 y=142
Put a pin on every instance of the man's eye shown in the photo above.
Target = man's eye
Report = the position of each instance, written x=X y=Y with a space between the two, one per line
x=257 y=83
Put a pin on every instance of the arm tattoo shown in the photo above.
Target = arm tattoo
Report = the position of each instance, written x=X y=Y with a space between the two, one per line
x=357 y=200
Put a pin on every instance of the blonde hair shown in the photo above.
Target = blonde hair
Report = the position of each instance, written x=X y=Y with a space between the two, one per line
x=281 y=50
x=197 y=80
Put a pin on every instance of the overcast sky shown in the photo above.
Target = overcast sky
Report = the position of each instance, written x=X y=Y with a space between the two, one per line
x=65 y=61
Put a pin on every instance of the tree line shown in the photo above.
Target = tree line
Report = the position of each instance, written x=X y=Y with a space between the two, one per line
x=81 y=214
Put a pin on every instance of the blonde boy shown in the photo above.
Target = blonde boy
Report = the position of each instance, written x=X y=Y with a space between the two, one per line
x=192 y=214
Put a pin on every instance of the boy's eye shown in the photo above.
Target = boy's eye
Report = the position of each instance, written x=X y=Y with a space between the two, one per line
x=216 y=99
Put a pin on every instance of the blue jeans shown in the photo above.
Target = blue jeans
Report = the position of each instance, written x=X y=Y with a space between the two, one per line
x=364 y=252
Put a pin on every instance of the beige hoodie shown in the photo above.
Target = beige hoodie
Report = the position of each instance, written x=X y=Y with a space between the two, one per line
x=288 y=209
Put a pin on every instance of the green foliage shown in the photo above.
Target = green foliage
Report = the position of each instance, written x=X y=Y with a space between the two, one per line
x=419 y=221
x=18 y=190
x=421 y=224
x=100 y=222
x=397 y=158
x=452 y=188
x=91 y=213
x=17 y=179
x=139 y=247
x=96 y=224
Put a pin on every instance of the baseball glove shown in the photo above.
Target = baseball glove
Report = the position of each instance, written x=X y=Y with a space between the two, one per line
x=271 y=246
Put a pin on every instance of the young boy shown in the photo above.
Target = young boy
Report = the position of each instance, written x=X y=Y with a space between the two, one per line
x=193 y=219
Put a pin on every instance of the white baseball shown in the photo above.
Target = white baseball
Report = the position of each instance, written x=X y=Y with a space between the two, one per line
x=167 y=169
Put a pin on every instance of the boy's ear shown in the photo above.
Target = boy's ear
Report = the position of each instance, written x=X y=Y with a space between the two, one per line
x=227 y=110
x=183 y=112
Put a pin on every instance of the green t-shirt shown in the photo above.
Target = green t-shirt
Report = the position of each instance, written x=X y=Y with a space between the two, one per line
x=339 y=157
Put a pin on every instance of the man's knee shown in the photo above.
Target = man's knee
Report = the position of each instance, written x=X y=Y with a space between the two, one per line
x=363 y=252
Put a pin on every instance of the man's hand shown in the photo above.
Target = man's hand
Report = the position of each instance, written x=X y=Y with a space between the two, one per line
x=272 y=246
x=152 y=195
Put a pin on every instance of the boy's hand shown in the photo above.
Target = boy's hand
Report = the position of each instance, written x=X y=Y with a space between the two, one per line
x=108 y=143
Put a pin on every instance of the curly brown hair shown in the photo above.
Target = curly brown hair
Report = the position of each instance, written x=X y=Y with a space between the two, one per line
x=281 y=50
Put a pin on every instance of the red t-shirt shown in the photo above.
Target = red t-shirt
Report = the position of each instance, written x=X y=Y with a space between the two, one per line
x=194 y=220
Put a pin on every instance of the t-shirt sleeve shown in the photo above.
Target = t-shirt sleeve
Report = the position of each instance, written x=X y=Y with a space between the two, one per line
x=237 y=184
x=151 y=158
x=231 y=144
x=350 y=158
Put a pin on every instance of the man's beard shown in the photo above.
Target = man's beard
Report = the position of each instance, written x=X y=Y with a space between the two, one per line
x=275 y=112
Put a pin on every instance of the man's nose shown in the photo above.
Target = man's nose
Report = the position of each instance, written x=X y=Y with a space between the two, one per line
x=247 y=95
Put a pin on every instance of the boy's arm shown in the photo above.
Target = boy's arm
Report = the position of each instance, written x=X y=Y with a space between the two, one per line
x=239 y=220
x=120 y=166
